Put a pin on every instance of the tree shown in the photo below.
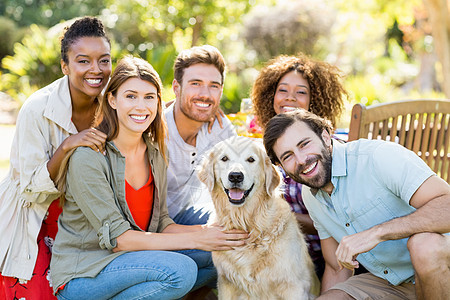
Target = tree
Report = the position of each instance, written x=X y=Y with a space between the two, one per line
x=177 y=22
x=415 y=20
x=35 y=64
x=288 y=28
x=8 y=32
x=439 y=13
x=48 y=13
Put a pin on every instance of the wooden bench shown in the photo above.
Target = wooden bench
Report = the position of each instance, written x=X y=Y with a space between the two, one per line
x=422 y=126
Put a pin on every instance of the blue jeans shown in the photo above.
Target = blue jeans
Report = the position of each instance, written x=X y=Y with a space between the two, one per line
x=193 y=216
x=137 y=275
x=207 y=273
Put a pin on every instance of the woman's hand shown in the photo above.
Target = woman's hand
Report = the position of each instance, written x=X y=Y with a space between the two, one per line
x=90 y=137
x=214 y=238
x=219 y=115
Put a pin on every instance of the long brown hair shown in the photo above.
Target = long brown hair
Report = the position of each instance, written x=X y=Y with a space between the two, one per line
x=106 y=117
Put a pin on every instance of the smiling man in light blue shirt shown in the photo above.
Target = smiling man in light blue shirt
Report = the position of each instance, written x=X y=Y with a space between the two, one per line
x=373 y=203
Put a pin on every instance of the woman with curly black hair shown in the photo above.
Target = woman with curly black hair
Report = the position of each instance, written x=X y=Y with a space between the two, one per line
x=291 y=82
x=298 y=81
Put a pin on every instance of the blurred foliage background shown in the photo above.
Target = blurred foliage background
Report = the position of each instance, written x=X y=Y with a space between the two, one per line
x=387 y=49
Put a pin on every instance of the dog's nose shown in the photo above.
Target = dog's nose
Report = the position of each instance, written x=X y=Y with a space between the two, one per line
x=236 y=177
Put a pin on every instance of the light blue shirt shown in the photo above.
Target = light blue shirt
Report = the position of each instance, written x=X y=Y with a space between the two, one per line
x=373 y=183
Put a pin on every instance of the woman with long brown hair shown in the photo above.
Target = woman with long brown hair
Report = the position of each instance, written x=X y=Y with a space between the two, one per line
x=115 y=236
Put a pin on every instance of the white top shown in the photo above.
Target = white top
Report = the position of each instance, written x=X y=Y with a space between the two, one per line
x=184 y=189
x=44 y=122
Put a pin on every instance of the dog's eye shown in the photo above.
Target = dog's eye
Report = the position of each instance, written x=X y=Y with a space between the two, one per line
x=250 y=159
x=225 y=158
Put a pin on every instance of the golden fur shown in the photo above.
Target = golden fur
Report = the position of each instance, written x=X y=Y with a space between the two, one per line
x=274 y=263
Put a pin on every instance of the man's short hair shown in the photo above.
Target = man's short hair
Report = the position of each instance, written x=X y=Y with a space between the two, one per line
x=205 y=54
x=278 y=124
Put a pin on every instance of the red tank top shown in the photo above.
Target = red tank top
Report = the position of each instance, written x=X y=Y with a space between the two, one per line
x=140 y=202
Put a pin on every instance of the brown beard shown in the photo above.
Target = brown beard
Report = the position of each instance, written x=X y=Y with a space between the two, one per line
x=196 y=117
x=321 y=179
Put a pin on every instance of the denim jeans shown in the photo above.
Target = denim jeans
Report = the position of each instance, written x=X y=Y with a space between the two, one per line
x=194 y=216
x=137 y=275
x=207 y=273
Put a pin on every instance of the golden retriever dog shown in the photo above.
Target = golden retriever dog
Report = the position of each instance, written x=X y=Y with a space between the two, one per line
x=245 y=188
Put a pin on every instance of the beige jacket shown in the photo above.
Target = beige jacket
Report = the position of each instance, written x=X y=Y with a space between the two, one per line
x=26 y=193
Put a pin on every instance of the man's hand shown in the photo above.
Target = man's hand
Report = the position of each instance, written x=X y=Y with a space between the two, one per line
x=333 y=273
x=353 y=245
x=219 y=115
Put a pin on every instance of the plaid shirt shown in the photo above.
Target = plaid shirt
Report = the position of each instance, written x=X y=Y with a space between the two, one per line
x=293 y=195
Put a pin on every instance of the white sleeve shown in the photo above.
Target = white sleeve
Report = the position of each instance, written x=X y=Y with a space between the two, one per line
x=228 y=127
x=33 y=150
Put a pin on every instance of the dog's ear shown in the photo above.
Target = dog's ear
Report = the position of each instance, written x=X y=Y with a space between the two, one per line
x=273 y=177
x=206 y=170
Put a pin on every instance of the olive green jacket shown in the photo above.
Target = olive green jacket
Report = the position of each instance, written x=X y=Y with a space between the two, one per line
x=95 y=212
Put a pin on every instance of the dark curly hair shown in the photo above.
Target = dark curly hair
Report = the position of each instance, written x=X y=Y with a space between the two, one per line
x=326 y=91
x=84 y=27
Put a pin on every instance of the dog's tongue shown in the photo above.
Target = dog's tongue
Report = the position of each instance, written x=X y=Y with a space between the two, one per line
x=236 y=194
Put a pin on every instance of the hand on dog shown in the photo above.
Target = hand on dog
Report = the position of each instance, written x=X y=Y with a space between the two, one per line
x=352 y=245
x=213 y=237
